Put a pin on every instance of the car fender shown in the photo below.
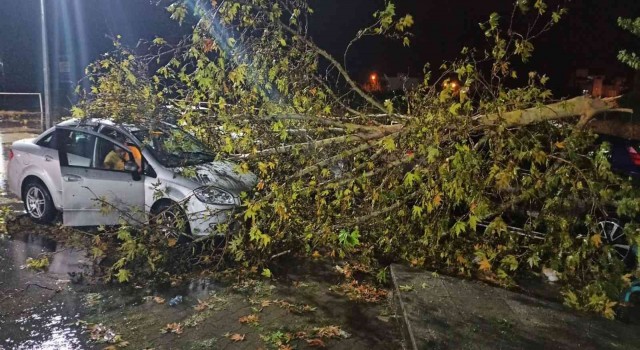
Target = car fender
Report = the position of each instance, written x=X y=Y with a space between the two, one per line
x=170 y=191
x=54 y=189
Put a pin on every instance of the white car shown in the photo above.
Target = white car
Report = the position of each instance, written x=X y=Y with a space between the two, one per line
x=164 y=171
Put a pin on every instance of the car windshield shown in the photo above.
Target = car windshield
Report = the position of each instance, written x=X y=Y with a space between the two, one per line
x=174 y=147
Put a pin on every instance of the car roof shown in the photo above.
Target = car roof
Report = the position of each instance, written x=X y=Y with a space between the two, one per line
x=86 y=122
x=97 y=122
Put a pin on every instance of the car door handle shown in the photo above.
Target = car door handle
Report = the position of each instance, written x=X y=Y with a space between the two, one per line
x=48 y=158
x=72 y=178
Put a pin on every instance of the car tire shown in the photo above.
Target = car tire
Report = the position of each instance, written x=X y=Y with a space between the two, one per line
x=38 y=203
x=167 y=216
x=612 y=232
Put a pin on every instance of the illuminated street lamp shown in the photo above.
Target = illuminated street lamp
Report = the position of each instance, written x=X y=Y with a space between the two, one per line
x=45 y=65
x=373 y=78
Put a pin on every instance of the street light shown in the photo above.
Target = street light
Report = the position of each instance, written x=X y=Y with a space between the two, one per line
x=45 y=66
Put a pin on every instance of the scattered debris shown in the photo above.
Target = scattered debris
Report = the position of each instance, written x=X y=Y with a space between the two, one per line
x=331 y=332
x=236 y=337
x=92 y=299
x=406 y=288
x=173 y=328
x=99 y=333
x=175 y=300
x=252 y=319
x=316 y=343
x=38 y=263
x=361 y=292
x=551 y=274
x=291 y=307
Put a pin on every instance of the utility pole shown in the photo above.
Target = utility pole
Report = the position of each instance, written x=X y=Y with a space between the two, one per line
x=45 y=66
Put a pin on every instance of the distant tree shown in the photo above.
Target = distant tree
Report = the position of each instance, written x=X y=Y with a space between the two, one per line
x=633 y=26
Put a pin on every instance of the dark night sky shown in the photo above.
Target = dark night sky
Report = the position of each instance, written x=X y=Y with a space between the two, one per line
x=588 y=37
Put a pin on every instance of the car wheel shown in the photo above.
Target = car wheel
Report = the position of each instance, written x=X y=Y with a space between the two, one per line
x=171 y=221
x=38 y=203
x=612 y=232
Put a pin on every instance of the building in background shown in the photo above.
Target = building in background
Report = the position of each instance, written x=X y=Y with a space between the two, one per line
x=597 y=84
x=386 y=84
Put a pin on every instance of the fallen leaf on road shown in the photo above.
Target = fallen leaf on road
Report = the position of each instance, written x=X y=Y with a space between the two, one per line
x=237 y=337
x=301 y=335
x=173 y=328
x=250 y=319
x=316 y=343
x=328 y=332
x=159 y=300
x=202 y=305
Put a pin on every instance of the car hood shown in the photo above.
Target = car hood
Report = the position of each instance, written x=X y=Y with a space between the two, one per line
x=223 y=174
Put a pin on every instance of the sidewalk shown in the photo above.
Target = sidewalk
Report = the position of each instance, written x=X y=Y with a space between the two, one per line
x=441 y=312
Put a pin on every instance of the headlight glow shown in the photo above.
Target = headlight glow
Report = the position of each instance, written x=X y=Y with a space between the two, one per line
x=214 y=195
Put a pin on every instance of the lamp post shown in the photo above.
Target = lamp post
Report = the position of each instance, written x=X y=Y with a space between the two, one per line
x=45 y=66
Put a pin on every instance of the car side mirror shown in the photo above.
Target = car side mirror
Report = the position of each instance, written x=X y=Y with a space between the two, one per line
x=131 y=166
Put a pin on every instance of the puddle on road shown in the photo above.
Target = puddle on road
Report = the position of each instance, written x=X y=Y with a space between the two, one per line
x=32 y=314
x=39 y=318
x=46 y=328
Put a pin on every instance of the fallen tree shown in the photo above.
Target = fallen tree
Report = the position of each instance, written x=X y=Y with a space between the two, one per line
x=346 y=174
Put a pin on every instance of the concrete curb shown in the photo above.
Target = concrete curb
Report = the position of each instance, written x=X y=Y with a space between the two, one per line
x=407 y=332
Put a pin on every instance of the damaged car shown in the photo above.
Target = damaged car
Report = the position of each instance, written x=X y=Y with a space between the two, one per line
x=97 y=172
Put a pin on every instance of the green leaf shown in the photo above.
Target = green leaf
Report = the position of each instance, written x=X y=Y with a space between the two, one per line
x=389 y=144
x=417 y=212
x=123 y=275
x=455 y=108
x=389 y=106
x=159 y=41
x=410 y=178
x=494 y=18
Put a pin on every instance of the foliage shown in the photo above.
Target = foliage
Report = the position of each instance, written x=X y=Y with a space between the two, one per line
x=6 y=215
x=431 y=177
x=40 y=263
x=120 y=88
x=633 y=26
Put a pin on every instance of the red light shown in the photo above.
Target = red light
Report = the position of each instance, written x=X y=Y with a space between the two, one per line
x=633 y=154
x=373 y=77
x=10 y=154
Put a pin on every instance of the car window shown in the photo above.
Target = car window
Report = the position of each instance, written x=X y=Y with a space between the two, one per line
x=103 y=148
x=173 y=147
x=49 y=141
x=79 y=148
x=110 y=156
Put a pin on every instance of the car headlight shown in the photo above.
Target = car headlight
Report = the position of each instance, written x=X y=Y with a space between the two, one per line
x=214 y=195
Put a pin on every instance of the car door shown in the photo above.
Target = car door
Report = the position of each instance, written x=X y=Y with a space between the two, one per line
x=93 y=194
x=48 y=160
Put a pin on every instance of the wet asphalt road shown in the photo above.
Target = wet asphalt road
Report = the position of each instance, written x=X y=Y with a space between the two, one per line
x=38 y=310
